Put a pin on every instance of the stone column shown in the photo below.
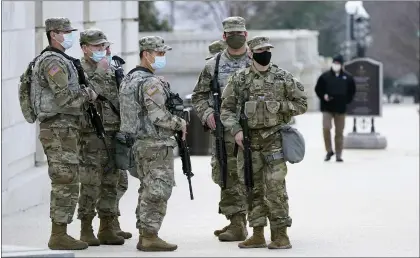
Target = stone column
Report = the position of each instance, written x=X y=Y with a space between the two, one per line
x=40 y=158
x=129 y=34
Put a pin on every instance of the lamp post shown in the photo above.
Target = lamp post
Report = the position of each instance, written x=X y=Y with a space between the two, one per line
x=358 y=29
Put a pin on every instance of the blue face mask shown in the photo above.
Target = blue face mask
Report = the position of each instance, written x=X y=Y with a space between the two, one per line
x=160 y=62
x=98 y=55
x=68 y=41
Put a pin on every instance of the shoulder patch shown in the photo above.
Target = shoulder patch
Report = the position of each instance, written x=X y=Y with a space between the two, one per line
x=153 y=90
x=53 y=70
x=300 y=86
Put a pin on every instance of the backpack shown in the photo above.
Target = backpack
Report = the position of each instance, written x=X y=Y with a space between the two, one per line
x=24 y=93
x=124 y=157
x=293 y=144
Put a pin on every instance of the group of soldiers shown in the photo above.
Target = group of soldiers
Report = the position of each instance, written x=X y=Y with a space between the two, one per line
x=137 y=109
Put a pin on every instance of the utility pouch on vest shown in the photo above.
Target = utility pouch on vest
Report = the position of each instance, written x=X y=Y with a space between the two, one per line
x=124 y=158
x=293 y=144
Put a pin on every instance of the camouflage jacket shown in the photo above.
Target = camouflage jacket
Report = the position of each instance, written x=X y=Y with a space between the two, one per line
x=55 y=88
x=103 y=82
x=270 y=99
x=201 y=98
x=143 y=111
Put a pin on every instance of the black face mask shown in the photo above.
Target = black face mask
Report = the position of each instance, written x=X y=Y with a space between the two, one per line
x=262 y=58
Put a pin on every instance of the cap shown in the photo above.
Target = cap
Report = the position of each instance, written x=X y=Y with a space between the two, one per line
x=259 y=42
x=155 y=43
x=234 y=23
x=216 y=47
x=93 y=37
x=59 y=24
x=338 y=59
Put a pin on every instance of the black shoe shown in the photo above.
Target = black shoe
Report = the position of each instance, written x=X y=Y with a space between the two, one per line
x=329 y=155
x=339 y=159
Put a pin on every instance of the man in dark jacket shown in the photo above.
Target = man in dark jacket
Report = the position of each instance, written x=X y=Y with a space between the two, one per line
x=335 y=89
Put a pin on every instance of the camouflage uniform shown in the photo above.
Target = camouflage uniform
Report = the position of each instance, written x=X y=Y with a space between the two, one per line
x=274 y=96
x=99 y=176
x=216 y=47
x=233 y=202
x=144 y=116
x=58 y=101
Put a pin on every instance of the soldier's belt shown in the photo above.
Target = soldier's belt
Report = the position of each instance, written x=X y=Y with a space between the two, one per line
x=274 y=156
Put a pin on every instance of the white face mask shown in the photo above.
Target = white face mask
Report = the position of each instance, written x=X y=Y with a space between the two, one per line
x=336 y=67
x=67 y=40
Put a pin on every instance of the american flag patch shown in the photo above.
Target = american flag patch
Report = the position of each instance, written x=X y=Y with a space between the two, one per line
x=54 y=70
x=152 y=90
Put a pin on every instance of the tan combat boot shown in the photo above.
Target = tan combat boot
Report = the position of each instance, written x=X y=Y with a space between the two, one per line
x=59 y=240
x=86 y=232
x=119 y=232
x=281 y=240
x=107 y=235
x=236 y=231
x=257 y=240
x=217 y=232
x=273 y=234
x=150 y=242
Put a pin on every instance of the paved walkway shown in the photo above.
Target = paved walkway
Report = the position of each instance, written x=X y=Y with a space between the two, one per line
x=367 y=206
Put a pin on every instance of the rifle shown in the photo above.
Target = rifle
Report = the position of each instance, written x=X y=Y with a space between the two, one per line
x=219 y=132
x=119 y=71
x=247 y=153
x=176 y=107
x=184 y=153
x=94 y=116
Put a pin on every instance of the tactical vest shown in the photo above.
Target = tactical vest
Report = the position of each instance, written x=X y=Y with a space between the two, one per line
x=134 y=119
x=263 y=97
x=42 y=97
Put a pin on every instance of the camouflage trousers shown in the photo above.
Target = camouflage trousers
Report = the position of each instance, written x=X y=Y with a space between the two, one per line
x=98 y=178
x=270 y=199
x=62 y=148
x=233 y=198
x=122 y=187
x=156 y=174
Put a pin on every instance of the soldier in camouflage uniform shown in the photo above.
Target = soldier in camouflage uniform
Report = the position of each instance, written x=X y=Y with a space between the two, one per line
x=98 y=176
x=58 y=101
x=235 y=57
x=271 y=96
x=145 y=118
x=122 y=184
x=216 y=47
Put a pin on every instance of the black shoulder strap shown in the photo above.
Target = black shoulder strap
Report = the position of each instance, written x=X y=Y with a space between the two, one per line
x=139 y=68
x=216 y=67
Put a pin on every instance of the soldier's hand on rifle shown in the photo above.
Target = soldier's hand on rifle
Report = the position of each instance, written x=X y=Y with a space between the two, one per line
x=104 y=64
x=184 y=130
x=91 y=93
x=239 y=137
x=211 y=123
